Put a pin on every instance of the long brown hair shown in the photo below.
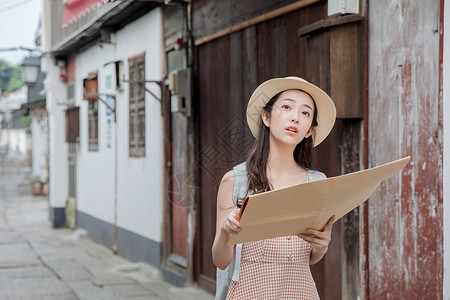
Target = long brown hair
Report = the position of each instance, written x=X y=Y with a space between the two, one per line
x=259 y=154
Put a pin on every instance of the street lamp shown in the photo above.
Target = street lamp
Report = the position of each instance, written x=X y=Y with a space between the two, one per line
x=30 y=69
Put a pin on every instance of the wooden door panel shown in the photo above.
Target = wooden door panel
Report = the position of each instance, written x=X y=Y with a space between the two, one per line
x=179 y=188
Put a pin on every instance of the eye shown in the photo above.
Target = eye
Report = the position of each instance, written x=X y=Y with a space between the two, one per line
x=285 y=106
x=306 y=113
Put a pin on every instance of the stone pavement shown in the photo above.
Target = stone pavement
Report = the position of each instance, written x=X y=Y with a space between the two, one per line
x=38 y=262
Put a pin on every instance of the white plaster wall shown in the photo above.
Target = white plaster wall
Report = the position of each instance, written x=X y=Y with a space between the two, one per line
x=446 y=137
x=143 y=192
x=35 y=146
x=3 y=136
x=95 y=169
x=17 y=142
x=39 y=149
x=56 y=95
x=56 y=92
x=140 y=179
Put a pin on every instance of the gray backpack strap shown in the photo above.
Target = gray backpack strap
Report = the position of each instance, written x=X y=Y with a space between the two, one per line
x=315 y=175
x=222 y=284
x=240 y=192
x=240 y=189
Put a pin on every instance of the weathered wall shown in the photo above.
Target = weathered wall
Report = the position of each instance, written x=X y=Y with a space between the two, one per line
x=445 y=85
x=405 y=214
x=211 y=16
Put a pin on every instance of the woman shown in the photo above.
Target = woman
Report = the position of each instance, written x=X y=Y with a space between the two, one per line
x=288 y=116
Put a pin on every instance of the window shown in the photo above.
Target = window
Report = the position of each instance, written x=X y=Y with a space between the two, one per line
x=93 y=125
x=137 y=106
x=72 y=124
x=90 y=93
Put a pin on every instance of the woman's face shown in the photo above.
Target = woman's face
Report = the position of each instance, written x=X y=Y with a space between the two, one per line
x=291 y=117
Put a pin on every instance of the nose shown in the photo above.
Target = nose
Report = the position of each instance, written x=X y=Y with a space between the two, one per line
x=294 y=120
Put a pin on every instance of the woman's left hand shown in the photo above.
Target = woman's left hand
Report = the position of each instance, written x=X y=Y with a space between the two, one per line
x=319 y=241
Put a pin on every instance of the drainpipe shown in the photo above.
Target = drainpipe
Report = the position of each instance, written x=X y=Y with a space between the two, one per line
x=116 y=180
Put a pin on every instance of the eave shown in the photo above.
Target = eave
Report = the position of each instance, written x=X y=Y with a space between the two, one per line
x=120 y=14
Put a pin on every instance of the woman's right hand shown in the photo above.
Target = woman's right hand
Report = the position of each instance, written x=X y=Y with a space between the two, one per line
x=231 y=223
x=227 y=222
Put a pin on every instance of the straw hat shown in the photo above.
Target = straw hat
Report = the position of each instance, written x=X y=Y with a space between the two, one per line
x=326 y=111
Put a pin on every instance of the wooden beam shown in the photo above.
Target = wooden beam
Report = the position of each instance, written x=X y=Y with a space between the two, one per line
x=327 y=23
x=259 y=19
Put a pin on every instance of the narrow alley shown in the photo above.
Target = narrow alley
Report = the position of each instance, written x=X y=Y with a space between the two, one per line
x=37 y=262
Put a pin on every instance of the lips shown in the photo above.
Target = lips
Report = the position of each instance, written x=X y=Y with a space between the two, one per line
x=292 y=129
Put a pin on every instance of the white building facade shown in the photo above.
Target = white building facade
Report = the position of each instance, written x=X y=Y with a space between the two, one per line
x=106 y=166
x=137 y=210
x=39 y=144
x=14 y=137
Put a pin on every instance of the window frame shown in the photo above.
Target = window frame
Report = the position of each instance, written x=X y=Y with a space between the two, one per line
x=90 y=86
x=136 y=107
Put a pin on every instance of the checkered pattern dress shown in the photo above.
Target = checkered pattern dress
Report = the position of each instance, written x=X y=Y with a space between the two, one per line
x=275 y=268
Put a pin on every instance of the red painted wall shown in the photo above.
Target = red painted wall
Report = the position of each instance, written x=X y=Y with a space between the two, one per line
x=70 y=68
x=405 y=240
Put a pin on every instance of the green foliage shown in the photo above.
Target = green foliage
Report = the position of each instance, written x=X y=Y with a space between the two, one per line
x=25 y=121
x=15 y=81
x=10 y=77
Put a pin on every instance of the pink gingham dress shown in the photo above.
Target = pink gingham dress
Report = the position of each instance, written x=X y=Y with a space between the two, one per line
x=275 y=268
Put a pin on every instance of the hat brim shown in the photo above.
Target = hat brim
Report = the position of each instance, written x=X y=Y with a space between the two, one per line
x=326 y=110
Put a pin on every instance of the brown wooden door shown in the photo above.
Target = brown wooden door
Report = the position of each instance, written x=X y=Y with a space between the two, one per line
x=178 y=192
x=223 y=140
x=176 y=200
x=228 y=70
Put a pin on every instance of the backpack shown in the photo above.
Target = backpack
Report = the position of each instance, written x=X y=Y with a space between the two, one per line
x=240 y=192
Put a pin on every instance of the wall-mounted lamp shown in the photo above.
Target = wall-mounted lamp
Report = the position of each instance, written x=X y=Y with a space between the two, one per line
x=30 y=69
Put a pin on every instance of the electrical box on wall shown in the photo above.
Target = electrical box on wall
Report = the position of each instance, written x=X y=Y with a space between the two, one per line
x=340 y=7
x=180 y=88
